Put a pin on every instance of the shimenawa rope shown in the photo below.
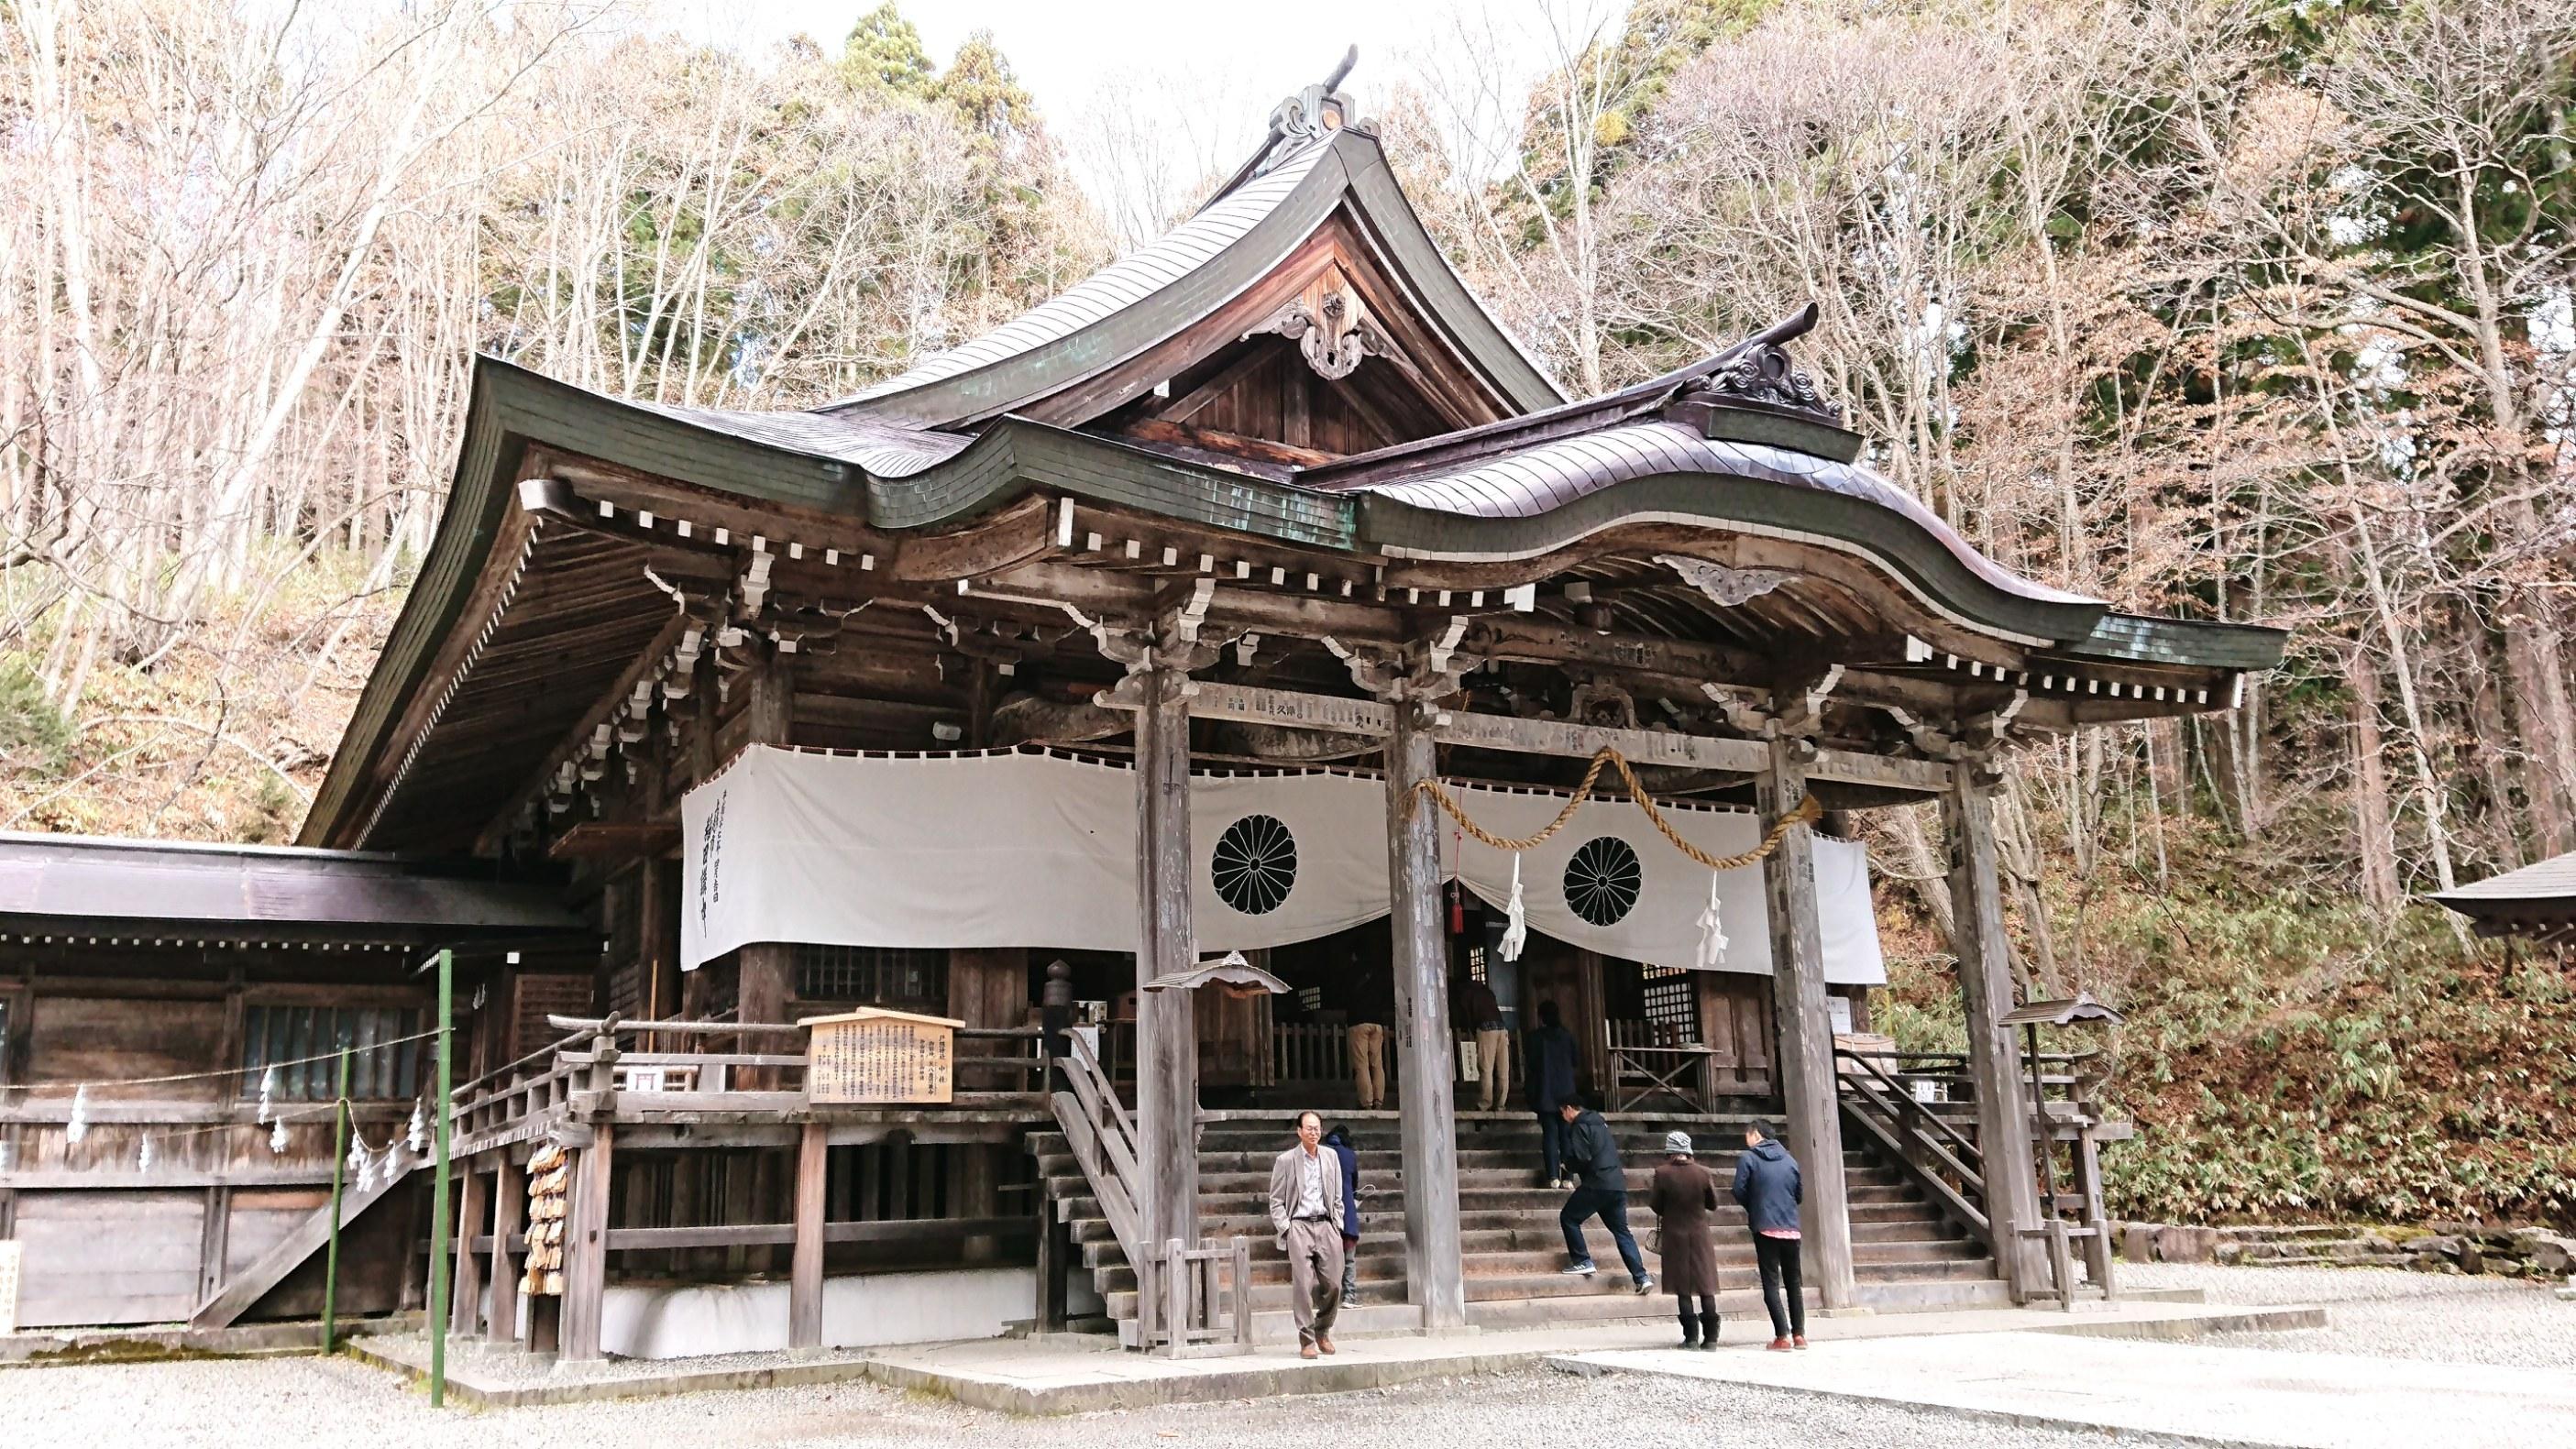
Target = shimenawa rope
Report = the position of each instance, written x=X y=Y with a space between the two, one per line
x=1806 y=811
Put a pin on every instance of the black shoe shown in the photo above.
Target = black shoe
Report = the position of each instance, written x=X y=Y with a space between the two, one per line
x=1690 y=1340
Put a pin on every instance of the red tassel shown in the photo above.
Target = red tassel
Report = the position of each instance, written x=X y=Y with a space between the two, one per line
x=1457 y=911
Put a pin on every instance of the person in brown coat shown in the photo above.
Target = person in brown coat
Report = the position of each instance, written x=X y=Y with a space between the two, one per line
x=1683 y=1197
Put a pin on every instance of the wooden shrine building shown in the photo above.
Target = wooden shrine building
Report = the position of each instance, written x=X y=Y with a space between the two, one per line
x=1270 y=502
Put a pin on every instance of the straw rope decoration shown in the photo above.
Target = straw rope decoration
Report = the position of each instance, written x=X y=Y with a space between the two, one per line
x=1712 y=941
x=1806 y=812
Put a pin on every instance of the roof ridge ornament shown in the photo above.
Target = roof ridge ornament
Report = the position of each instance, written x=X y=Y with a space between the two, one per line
x=1752 y=392
x=1318 y=110
x=1310 y=114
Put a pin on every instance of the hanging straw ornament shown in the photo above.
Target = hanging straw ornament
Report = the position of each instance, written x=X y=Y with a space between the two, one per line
x=267 y=1093
x=277 y=1137
x=1712 y=941
x=1515 y=919
x=358 y=1159
x=77 y=1127
x=143 y=1155
x=418 y=1138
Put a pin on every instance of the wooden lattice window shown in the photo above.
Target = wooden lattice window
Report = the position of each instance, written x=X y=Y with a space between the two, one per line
x=303 y=1044
x=1670 y=999
x=911 y=977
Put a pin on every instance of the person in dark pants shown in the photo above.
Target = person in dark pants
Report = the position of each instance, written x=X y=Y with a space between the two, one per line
x=1768 y=1186
x=1601 y=1190
x=1550 y=1059
x=1339 y=1141
x=1684 y=1196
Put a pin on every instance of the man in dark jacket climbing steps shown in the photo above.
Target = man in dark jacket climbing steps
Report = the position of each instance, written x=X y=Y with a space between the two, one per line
x=1601 y=1189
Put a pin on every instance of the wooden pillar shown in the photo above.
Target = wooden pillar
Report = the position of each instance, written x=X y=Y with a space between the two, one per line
x=509 y=1209
x=1985 y=980
x=586 y=1247
x=1808 y=1092
x=465 y=1300
x=805 y=1278
x=767 y=972
x=1426 y=1059
x=1167 y=1044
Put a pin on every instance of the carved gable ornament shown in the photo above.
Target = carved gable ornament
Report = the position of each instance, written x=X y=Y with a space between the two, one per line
x=1329 y=324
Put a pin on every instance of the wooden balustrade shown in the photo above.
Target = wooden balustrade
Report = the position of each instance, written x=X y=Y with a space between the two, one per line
x=1308 y=1051
x=680 y=1066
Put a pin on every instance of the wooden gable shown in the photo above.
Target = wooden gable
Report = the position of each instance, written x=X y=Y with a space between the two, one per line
x=1325 y=356
x=1319 y=259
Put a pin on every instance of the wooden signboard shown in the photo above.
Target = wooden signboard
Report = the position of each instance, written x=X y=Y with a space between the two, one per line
x=872 y=1055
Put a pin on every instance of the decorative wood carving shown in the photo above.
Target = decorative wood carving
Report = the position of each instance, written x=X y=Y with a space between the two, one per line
x=1330 y=325
x=1721 y=584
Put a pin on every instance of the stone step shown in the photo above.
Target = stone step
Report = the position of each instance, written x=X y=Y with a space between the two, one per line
x=1246 y=1201
x=1873 y=1220
x=1269 y=1265
x=1608 y=1286
x=1388 y=1179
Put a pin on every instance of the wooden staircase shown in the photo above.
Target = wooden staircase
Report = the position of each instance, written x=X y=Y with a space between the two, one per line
x=1909 y=1253
x=228 y=1303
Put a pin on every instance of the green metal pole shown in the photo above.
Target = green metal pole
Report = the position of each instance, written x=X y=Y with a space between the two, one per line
x=339 y=1168
x=438 y=1285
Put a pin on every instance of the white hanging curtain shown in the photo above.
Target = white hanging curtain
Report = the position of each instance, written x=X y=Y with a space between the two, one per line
x=1039 y=850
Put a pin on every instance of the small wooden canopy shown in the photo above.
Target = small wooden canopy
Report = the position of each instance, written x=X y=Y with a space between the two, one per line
x=1238 y=976
x=2537 y=902
x=2063 y=1012
x=879 y=1013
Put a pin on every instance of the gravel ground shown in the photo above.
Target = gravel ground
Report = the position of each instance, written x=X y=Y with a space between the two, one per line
x=281 y=1403
x=2390 y=1312
x=286 y=1402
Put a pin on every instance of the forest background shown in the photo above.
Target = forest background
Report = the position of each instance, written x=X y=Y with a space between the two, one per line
x=2236 y=309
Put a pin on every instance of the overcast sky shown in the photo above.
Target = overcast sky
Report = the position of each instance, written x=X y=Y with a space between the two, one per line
x=1199 y=76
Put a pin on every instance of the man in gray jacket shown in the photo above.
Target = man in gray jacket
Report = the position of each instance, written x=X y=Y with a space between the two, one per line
x=1306 y=1213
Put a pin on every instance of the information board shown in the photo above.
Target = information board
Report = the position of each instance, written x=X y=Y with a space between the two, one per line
x=874 y=1056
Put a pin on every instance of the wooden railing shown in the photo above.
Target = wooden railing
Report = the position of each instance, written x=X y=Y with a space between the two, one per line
x=676 y=1066
x=1310 y=1051
x=1880 y=1096
x=1190 y=1300
x=1922 y=1107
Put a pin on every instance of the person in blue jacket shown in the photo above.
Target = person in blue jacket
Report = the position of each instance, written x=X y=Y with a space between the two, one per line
x=1339 y=1140
x=1767 y=1185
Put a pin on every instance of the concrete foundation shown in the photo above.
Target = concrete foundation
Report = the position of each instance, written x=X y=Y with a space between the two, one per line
x=858 y=1312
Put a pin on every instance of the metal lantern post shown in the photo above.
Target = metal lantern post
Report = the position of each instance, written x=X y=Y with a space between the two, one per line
x=438 y=1228
x=339 y=1169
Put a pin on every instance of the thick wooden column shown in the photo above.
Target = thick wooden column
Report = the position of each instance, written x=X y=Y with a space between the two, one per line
x=465 y=1298
x=1426 y=1060
x=1167 y=1039
x=767 y=972
x=586 y=1247
x=1985 y=980
x=805 y=1276
x=1808 y=1092
x=509 y=1209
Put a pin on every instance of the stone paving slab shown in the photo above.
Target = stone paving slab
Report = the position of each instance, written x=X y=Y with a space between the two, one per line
x=2201 y=1393
x=1061 y=1373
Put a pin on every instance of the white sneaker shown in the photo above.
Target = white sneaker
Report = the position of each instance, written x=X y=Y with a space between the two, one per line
x=1580 y=1270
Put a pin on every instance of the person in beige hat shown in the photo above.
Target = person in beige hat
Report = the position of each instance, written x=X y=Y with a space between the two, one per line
x=1684 y=1197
